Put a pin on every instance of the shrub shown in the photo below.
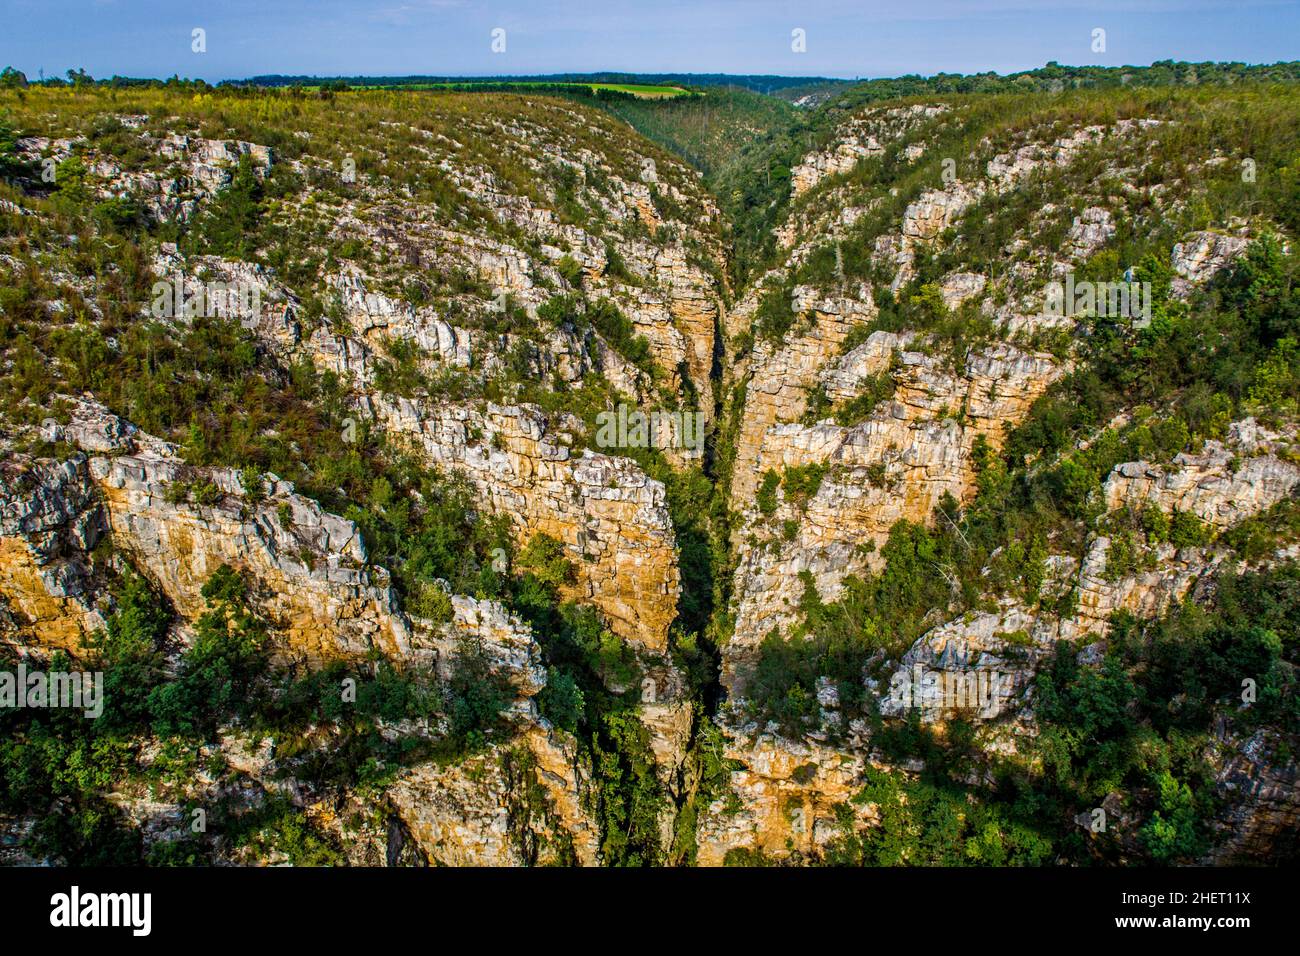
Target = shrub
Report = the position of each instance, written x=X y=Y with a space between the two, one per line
x=546 y=559
x=1188 y=530
x=570 y=271
x=219 y=671
x=476 y=696
x=766 y=496
x=561 y=701
x=429 y=600
x=801 y=482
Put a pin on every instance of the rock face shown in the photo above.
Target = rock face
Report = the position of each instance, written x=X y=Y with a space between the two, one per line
x=666 y=287
x=957 y=287
x=1263 y=790
x=861 y=138
x=781 y=374
x=197 y=169
x=611 y=517
x=897 y=464
x=177 y=525
x=785 y=800
x=845 y=376
x=520 y=803
x=913 y=448
x=311 y=564
x=514 y=806
x=49 y=521
x=981 y=667
x=1091 y=230
x=841 y=159
x=936 y=210
x=375 y=319
x=1010 y=640
x=1222 y=486
x=1201 y=255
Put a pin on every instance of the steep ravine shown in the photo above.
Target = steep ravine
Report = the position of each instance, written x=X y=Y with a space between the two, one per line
x=916 y=475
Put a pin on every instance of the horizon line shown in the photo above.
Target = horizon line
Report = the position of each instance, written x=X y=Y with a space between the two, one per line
x=659 y=73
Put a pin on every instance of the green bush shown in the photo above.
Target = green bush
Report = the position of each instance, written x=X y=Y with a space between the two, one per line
x=766 y=495
x=561 y=701
x=801 y=482
x=218 y=673
x=476 y=696
x=570 y=271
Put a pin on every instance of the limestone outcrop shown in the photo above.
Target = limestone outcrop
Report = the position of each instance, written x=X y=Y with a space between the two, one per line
x=782 y=373
x=784 y=801
x=177 y=524
x=196 y=168
x=860 y=138
x=1201 y=255
x=1261 y=785
x=515 y=805
x=50 y=519
x=1223 y=485
x=897 y=464
x=609 y=515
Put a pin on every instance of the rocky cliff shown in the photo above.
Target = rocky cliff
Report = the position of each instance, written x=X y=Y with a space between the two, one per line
x=889 y=424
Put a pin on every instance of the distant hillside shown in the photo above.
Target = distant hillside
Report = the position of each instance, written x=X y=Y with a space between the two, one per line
x=759 y=83
x=755 y=188
x=707 y=131
x=1055 y=78
x=808 y=95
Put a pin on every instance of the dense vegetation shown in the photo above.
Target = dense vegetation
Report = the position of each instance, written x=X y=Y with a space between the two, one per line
x=159 y=719
x=755 y=189
x=708 y=131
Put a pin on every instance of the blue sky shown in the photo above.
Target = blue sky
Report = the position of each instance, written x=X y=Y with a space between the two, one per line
x=847 y=38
